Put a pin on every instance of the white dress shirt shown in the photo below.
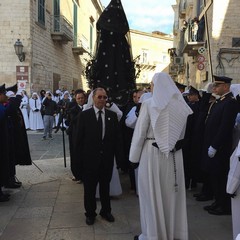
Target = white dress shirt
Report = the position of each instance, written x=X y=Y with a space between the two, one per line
x=103 y=118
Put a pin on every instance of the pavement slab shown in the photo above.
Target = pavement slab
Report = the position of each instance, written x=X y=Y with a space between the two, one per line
x=49 y=205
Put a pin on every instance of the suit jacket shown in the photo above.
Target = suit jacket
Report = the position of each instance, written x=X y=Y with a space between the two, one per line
x=218 y=134
x=71 y=120
x=94 y=154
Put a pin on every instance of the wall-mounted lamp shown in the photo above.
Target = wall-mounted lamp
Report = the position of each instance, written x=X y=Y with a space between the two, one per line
x=19 y=50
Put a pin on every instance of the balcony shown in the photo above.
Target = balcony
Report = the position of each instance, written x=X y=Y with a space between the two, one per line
x=80 y=45
x=193 y=39
x=147 y=66
x=62 y=29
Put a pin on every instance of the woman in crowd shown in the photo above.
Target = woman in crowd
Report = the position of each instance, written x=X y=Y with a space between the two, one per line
x=35 y=117
x=24 y=106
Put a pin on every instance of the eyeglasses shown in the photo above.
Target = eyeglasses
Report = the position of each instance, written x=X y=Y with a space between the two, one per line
x=102 y=97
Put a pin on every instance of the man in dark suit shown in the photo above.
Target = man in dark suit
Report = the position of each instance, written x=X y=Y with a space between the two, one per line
x=217 y=144
x=74 y=108
x=97 y=142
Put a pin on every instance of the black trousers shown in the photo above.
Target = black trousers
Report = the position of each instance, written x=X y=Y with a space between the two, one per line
x=219 y=183
x=90 y=182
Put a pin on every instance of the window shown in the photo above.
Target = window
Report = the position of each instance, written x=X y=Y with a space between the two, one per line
x=200 y=6
x=144 y=56
x=91 y=37
x=235 y=42
x=91 y=33
x=75 y=24
x=41 y=11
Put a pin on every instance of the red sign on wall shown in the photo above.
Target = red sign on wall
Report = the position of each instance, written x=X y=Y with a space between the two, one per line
x=200 y=66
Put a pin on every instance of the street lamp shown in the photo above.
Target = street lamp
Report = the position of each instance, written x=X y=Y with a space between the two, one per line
x=19 y=50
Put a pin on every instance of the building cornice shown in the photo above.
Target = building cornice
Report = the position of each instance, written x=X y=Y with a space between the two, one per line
x=98 y=5
x=154 y=35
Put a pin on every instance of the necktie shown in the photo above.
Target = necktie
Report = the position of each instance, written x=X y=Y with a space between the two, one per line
x=35 y=103
x=100 y=123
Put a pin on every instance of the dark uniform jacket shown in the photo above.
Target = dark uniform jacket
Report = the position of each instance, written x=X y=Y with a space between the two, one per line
x=218 y=134
x=18 y=141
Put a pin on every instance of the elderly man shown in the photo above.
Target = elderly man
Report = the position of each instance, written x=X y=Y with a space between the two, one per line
x=97 y=142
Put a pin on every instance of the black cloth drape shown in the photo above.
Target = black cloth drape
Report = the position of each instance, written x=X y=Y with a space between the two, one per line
x=112 y=66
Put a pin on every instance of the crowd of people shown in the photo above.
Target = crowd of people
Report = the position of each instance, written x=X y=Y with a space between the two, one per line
x=167 y=140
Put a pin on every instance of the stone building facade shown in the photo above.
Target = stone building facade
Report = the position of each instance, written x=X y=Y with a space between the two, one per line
x=151 y=53
x=216 y=48
x=58 y=39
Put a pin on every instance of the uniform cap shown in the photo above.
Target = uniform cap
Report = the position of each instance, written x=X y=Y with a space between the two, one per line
x=180 y=85
x=193 y=91
x=13 y=88
x=222 y=79
x=2 y=88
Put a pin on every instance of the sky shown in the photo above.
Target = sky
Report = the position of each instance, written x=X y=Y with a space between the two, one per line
x=148 y=15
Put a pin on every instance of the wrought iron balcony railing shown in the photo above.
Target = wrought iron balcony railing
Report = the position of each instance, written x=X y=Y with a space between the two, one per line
x=193 y=38
x=80 y=45
x=62 y=29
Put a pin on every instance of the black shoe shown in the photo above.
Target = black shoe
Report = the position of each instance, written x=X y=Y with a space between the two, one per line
x=135 y=237
x=90 y=220
x=63 y=129
x=6 y=194
x=19 y=183
x=211 y=207
x=108 y=216
x=13 y=185
x=203 y=198
x=4 y=198
x=57 y=129
x=197 y=194
x=219 y=211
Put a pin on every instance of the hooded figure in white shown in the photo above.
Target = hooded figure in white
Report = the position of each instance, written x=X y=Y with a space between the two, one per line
x=161 y=185
x=233 y=187
x=35 y=117
x=24 y=109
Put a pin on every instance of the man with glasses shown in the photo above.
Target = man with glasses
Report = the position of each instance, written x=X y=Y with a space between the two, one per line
x=217 y=144
x=97 y=142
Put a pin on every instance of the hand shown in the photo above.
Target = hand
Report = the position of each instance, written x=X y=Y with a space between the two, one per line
x=211 y=152
x=134 y=165
x=233 y=195
x=108 y=104
x=138 y=109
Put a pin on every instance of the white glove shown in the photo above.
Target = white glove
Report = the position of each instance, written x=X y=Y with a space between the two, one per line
x=211 y=152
